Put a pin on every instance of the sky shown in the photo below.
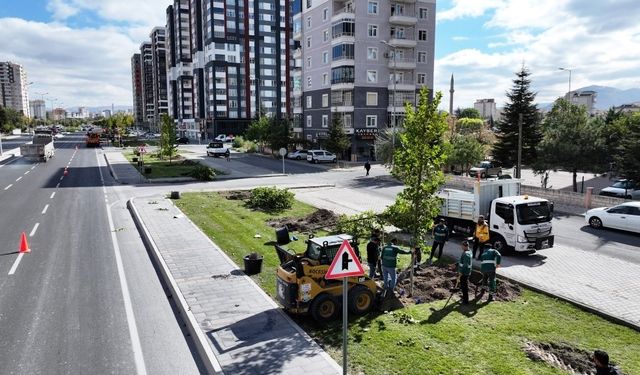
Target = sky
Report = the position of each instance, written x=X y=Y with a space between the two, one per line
x=78 y=52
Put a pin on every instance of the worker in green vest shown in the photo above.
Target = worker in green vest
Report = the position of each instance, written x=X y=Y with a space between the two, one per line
x=464 y=269
x=389 y=257
x=490 y=261
x=440 y=236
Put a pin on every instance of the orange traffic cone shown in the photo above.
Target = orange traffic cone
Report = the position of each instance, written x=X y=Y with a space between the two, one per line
x=24 y=246
x=66 y=172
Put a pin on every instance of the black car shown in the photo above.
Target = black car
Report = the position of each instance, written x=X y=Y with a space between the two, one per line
x=183 y=140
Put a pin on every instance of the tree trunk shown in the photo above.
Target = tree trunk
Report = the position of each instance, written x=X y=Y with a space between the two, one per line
x=575 y=180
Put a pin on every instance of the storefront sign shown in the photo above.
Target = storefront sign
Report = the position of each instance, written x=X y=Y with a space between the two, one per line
x=366 y=133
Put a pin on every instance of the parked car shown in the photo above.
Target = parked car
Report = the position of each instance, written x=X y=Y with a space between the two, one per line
x=622 y=189
x=485 y=169
x=221 y=138
x=217 y=149
x=320 y=156
x=298 y=154
x=625 y=216
x=182 y=141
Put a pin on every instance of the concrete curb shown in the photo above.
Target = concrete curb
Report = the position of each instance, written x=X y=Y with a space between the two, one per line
x=200 y=340
x=111 y=171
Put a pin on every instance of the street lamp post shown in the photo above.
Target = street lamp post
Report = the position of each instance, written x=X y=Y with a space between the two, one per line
x=569 y=93
x=393 y=99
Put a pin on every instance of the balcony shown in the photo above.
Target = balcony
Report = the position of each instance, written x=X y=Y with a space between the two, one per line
x=343 y=61
x=402 y=85
x=402 y=64
x=297 y=35
x=403 y=41
x=404 y=19
x=297 y=53
x=345 y=12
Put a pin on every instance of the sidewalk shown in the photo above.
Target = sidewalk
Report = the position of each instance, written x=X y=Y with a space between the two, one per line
x=242 y=327
x=9 y=153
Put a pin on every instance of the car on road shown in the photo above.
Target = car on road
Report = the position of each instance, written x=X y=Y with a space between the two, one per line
x=625 y=216
x=622 y=189
x=222 y=138
x=321 y=156
x=182 y=141
x=217 y=149
x=485 y=169
x=298 y=155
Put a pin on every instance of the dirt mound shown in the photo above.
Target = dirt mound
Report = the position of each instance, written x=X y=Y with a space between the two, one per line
x=319 y=219
x=433 y=283
x=237 y=195
x=572 y=360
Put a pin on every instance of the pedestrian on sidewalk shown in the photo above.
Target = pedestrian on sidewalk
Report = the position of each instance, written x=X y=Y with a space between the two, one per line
x=373 y=255
x=440 y=234
x=389 y=262
x=227 y=155
x=367 y=167
x=601 y=361
x=464 y=269
x=480 y=236
x=490 y=261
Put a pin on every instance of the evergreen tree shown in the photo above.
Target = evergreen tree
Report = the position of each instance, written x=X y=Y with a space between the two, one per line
x=505 y=150
x=628 y=156
x=337 y=140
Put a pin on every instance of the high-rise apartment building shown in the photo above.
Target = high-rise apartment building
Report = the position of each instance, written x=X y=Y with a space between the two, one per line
x=13 y=88
x=146 y=71
x=38 y=109
x=136 y=84
x=487 y=108
x=159 y=73
x=360 y=61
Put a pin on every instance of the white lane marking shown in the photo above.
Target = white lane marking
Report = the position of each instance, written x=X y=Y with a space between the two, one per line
x=52 y=195
x=19 y=178
x=8 y=187
x=44 y=211
x=58 y=185
x=33 y=231
x=61 y=178
x=131 y=319
x=15 y=264
x=27 y=172
x=34 y=167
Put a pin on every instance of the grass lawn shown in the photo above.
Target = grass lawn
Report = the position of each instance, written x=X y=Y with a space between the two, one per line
x=163 y=168
x=423 y=339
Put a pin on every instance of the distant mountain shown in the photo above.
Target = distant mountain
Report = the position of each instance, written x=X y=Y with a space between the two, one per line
x=116 y=108
x=607 y=97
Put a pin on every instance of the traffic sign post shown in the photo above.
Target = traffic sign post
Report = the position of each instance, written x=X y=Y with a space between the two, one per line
x=345 y=264
x=282 y=152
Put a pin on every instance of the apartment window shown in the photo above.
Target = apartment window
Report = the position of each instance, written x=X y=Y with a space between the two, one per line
x=325 y=35
x=347 y=121
x=309 y=122
x=325 y=100
x=372 y=30
x=308 y=62
x=325 y=14
x=372 y=76
x=308 y=81
x=422 y=78
x=422 y=34
x=309 y=42
x=372 y=98
x=325 y=57
x=423 y=13
x=309 y=101
x=325 y=79
x=308 y=21
x=373 y=7
x=422 y=57
x=325 y=121
x=372 y=53
x=397 y=9
x=372 y=121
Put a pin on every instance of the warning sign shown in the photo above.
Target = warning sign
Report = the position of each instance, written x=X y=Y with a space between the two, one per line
x=345 y=264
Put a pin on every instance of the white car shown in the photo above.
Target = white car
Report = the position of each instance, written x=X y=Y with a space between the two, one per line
x=298 y=155
x=221 y=138
x=217 y=148
x=320 y=156
x=625 y=216
x=622 y=189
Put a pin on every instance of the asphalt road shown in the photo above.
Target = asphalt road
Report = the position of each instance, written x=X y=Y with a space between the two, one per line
x=87 y=298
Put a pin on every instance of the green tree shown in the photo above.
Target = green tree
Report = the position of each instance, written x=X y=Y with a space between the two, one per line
x=467 y=113
x=384 y=145
x=168 y=137
x=570 y=141
x=628 y=153
x=278 y=133
x=337 y=141
x=258 y=131
x=466 y=151
x=505 y=150
x=418 y=164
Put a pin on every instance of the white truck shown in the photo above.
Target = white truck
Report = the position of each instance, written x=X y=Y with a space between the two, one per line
x=41 y=147
x=516 y=222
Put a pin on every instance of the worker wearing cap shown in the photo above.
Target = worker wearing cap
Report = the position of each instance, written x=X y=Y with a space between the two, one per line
x=490 y=260
x=481 y=236
x=464 y=269
x=440 y=236
x=389 y=257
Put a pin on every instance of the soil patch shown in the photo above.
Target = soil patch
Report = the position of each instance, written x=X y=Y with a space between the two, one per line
x=319 y=219
x=431 y=283
x=561 y=356
x=237 y=195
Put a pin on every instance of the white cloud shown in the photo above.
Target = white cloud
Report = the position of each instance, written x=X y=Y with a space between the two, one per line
x=467 y=8
x=460 y=38
x=61 y=10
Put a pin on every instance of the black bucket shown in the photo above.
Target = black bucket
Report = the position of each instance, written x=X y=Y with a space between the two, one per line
x=282 y=235
x=252 y=266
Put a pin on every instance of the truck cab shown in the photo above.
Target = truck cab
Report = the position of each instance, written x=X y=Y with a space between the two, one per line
x=522 y=223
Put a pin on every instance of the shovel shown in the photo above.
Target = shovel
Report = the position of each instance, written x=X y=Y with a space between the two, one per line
x=453 y=291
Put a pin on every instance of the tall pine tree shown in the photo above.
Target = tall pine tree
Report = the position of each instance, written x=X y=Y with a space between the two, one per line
x=505 y=150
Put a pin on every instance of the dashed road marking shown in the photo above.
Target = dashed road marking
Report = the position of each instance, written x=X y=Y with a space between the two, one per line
x=19 y=178
x=27 y=172
x=8 y=187
x=58 y=185
x=33 y=231
x=15 y=264
x=44 y=211
x=52 y=195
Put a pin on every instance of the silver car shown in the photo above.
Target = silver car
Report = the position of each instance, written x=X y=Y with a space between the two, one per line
x=321 y=156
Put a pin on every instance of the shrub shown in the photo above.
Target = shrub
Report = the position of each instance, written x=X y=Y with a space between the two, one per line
x=270 y=199
x=238 y=142
x=203 y=173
